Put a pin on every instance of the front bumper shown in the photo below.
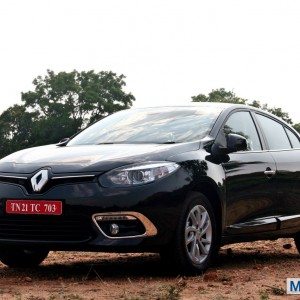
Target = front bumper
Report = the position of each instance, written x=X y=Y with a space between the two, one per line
x=157 y=206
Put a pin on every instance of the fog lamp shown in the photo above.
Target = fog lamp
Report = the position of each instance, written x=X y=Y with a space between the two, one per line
x=114 y=229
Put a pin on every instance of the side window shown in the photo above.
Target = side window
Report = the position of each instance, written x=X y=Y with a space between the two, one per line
x=241 y=123
x=293 y=138
x=275 y=134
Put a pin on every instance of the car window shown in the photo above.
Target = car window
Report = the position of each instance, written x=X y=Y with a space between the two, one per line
x=293 y=138
x=242 y=123
x=275 y=134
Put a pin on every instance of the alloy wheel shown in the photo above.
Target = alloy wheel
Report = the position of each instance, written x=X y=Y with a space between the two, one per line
x=198 y=234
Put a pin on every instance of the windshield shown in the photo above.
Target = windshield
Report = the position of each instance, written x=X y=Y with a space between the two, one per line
x=150 y=125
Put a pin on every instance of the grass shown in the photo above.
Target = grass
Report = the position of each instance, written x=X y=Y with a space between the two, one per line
x=264 y=295
x=275 y=290
x=172 y=292
x=65 y=297
x=165 y=292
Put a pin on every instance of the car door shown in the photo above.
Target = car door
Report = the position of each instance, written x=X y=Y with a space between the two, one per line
x=284 y=146
x=250 y=189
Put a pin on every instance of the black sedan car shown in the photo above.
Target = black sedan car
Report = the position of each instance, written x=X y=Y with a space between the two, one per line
x=181 y=181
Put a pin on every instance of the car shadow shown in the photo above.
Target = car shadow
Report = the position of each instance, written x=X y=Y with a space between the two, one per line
x=133 y=266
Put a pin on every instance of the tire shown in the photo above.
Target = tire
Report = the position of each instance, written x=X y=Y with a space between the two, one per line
x=297 y=241
x=22 y=258
x=190 y=251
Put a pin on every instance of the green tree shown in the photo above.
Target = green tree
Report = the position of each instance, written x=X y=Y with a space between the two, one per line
x=221 y=95
x=277 y=111
x=84 y=96
x=60 y=105
x=297 y=127
x=67 y=102
x=16 y=129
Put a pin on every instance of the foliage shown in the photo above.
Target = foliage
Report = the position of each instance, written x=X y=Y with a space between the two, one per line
x=16 y=129
x=297 y=127
x=221 y=95
x=60 y=105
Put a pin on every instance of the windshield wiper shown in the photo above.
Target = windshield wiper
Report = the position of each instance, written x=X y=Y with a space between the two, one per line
x=105 y=143
x=112 y=143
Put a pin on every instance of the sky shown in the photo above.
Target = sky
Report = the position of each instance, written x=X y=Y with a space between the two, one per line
x=168 y=50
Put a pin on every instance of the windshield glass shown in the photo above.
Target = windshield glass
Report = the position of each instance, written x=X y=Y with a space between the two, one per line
x=150 y=125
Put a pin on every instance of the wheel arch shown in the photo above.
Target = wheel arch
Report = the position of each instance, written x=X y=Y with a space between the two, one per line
x=212 y=192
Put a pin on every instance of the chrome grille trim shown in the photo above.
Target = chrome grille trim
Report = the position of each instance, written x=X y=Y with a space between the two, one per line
x=13 y=177
x=73 y=176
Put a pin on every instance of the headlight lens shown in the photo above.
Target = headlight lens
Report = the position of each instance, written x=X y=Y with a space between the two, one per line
x=138 y=174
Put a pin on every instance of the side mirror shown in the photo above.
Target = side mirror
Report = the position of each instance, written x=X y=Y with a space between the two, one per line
x=63 y=142
x=236 y=142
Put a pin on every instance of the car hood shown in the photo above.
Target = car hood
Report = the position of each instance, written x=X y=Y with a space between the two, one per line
x=88 y=158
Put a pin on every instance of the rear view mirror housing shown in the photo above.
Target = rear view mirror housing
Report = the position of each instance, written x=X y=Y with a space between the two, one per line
x=234 y=143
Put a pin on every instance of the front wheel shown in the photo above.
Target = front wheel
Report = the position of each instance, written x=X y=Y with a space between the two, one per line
x=196 y=241
x=22 y=258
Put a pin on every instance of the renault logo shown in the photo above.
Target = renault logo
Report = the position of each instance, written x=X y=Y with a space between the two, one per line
x=39 y=180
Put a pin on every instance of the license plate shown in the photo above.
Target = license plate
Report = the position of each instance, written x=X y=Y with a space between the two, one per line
x=34 y=207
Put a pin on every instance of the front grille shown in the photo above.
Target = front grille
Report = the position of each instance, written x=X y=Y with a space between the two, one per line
x=25 y=182
x=45 y=228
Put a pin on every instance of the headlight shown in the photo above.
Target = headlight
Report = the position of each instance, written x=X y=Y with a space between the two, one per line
x=137 y=174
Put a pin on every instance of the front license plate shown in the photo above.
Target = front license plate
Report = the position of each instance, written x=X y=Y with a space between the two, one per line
x=34 y=207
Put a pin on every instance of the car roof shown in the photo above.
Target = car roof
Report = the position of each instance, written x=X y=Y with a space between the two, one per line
x=191 y=104
x=220 y=106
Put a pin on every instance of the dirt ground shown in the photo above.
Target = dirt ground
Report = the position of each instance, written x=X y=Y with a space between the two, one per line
x=244 y=271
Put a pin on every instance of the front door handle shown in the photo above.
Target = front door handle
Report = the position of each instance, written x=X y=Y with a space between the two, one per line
x=269 y=172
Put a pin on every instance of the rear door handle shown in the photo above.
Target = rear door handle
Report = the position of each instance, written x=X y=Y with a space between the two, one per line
x=269 y=172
